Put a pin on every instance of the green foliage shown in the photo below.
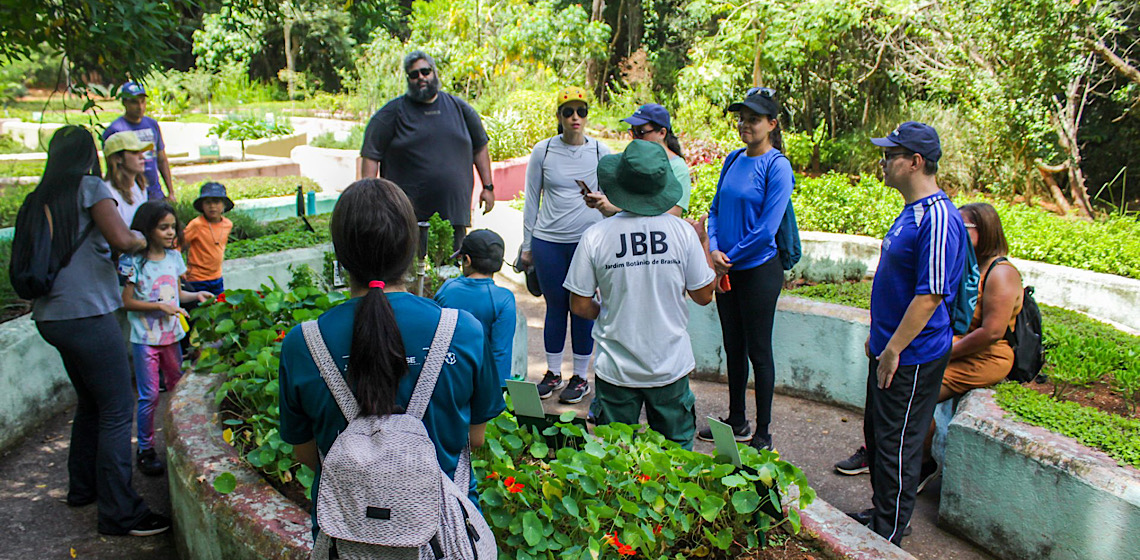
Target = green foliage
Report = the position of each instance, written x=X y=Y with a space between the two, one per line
x=624 y=488
x=836 y=203
x=281 y=236
x=441 y=240
x=242 y=127
x=240 y=335
x=21 y=168
x=851 y=294
x=1080 y=351
x=521 y=120
x=245 y=188
x=353 y=141
x=1117 y=436
x=304 y=277
x=11 y=145
x=826 y=270
x=10 y=202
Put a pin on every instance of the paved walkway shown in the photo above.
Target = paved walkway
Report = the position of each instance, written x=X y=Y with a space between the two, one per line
x=37 y=524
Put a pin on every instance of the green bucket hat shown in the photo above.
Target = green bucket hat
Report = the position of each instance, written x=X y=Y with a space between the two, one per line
x=640 y=179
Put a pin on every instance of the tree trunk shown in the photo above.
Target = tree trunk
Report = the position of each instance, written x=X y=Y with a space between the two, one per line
x=757 y=77
x=592 y=64
x=831 y=96
x=287 y=27
x=1047 y=172
x=1067 y=121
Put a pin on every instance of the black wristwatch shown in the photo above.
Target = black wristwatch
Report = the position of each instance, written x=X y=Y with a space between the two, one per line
x=489 y=187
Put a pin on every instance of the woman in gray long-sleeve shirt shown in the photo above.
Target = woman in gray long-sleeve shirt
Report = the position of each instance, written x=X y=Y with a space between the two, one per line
x=554 y=217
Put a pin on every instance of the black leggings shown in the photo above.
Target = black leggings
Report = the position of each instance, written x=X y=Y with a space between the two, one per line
x=746 y=316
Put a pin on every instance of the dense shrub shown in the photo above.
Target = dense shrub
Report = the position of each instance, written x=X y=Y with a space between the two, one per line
x=11 y=200
x=21 y=168
x=353 y=141
x=625 y=490
x=851 y=294
x=521 y=120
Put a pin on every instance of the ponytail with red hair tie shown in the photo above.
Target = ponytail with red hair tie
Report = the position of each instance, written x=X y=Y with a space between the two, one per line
x=376 y=284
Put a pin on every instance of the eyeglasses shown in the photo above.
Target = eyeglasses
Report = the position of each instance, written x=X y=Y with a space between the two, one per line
x=641 y=132
x=969 y=225
x=888 y=156
x=764 y=91
x=425 y=72
x=568 y=112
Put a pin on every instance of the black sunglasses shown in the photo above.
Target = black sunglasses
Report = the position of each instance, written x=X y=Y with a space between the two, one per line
x=640 y=132
x=567 y=112
x=888 y=156
x=764 y=91
x=425 y=72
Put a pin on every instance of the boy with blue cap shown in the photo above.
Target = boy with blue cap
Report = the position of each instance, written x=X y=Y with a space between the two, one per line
x=920 y=265
x=206 y=238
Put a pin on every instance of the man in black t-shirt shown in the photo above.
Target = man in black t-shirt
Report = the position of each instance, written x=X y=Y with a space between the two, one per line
x=425 y=141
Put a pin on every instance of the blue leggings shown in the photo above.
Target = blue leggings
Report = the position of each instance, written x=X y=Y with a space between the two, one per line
x=551 y=262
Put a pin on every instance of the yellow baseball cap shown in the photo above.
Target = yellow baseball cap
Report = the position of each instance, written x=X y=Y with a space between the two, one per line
x=572 y=93
x=126 y=141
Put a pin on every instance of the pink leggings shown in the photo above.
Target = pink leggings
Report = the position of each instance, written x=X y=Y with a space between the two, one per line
x=150 y=362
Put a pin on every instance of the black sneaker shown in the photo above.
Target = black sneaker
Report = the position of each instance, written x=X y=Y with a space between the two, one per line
x=149 y=464
x=864 y=519
x=855 y=464
x=929 y=473
x=740 y=433
x=759 y=442
x=152 y=524
x=550 y=383
x=575 y=390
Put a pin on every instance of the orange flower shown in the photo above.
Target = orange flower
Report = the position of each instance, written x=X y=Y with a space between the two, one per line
x=643 y=477
x=509 y=481
x=625 y=550
x=493 y=476
x=280 y=337
x=221 y=297
x=610 y=538
x=515 y=488
x=657 y=530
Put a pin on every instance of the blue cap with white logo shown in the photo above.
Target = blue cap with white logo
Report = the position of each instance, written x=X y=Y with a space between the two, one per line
x=649 y=113
x=917 y=137
x=132 y=89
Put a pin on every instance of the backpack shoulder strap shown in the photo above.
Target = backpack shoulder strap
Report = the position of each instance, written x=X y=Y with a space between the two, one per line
x=728 y=161
x=329 y=372
x=982 y=286
x=425 y=385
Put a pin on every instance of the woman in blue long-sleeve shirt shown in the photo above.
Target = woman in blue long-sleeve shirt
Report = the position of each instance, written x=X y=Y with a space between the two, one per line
x=747 y=210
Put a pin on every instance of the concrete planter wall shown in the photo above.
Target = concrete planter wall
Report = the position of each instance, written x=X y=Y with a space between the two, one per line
x=837 y=376
x=1023 y=491
x=253 y=166
x=257 y=522
x=1106 y=297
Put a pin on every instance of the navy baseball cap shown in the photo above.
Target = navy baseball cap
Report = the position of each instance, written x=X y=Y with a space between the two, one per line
x=132 y=89
x=917 y=137
x=482 y=244
x=649 y=113
x=761 y=100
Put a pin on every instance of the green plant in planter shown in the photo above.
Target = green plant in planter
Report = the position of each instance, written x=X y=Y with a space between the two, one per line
x=625 y=490
x=249 y=127
x=240 y=334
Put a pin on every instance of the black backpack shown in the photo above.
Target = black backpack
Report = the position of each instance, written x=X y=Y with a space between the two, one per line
x=1025 y=337
x=33 y=269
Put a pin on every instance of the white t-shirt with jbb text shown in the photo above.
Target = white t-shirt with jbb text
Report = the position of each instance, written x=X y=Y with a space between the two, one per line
x=642 y=267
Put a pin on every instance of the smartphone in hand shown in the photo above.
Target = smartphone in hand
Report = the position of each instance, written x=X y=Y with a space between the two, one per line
x=582 y=185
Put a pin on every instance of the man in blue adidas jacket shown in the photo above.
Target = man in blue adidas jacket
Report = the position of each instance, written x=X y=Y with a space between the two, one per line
x=920 y=264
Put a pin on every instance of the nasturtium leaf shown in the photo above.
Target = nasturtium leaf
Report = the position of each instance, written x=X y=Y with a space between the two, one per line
x=745 y=501
x=225 y=483
x=532 y=528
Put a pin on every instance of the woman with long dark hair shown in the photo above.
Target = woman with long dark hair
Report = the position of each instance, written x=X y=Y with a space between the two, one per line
x=554 y=217
x=743 y=219
x=77 y=318
x=379 y=340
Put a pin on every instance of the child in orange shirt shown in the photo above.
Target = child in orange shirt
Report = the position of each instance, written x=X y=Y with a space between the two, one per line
x=206 y=238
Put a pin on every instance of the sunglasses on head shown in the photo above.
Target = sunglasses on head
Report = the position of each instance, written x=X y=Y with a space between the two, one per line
x=425 y=72
x=764 y=91
x=567 y=112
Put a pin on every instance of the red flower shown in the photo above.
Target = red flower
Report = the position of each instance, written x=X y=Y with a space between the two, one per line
x=509 y=481
x=622 y=548
x=625 y=550
x=260 y=295
x=221 y=297
x=280 y=336
x=493 y=475
x=643 y=477
x=657 y=530
x=515 y=488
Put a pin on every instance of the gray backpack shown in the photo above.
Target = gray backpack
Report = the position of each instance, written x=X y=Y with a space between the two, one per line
x=382 y=492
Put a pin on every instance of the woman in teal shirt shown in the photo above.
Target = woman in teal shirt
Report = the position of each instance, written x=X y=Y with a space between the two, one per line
x=382 y=335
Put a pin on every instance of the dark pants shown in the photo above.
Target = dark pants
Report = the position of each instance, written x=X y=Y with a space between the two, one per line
x=895 y=422
x=99 y=460
x=215 y=286
x=747 y=313
x=551 y=263
x=669 y=410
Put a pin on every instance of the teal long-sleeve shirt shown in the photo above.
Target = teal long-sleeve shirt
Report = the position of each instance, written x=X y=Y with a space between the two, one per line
x=494 y=307
x=749 y=206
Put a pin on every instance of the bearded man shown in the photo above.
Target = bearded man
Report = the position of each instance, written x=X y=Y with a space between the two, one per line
x=426 y=141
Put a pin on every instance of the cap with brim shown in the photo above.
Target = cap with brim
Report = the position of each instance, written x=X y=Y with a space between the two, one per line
x=132 y=89
x=482 y=244
x=126 y=141
x=761 y=104
x=640 y=179
x=213 y=190
x=917 y=137
x=649 y=113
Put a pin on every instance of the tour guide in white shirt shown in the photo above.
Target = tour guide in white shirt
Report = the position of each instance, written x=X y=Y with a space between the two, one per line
x=642 y=262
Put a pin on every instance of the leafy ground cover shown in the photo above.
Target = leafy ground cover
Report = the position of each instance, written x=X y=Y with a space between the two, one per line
x=282 y=235
x=353 y=141
x=21 y=168
x=1117 y=436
